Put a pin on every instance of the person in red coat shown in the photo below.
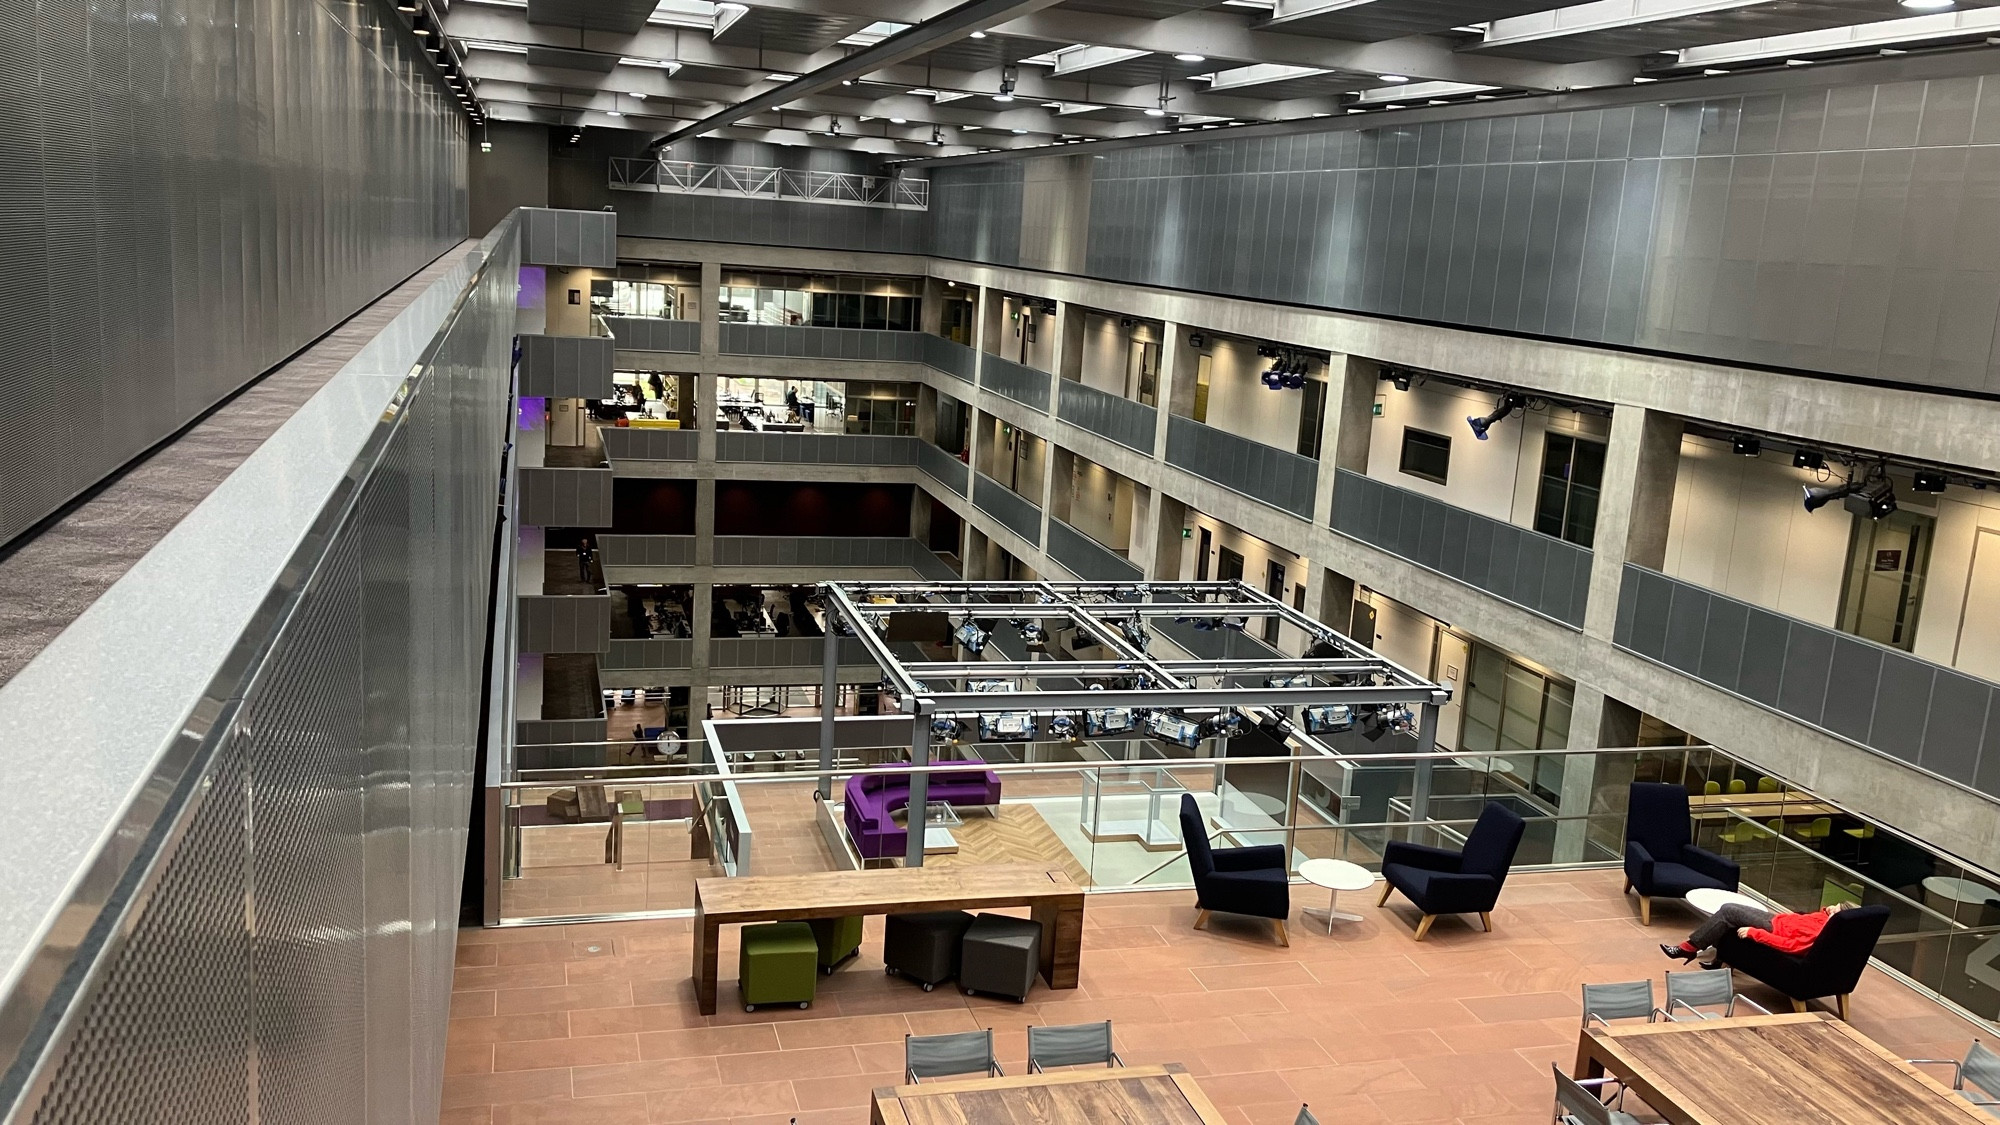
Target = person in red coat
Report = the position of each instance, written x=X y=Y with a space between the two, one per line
x=1786 y=933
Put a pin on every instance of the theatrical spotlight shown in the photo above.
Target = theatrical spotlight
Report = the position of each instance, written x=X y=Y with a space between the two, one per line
x=1808 y=459
x=1228 y=724
x=1007 y=726
x=1295 y=374
x=1109 y=720
x=1274 y=376
x=1135 y=633
x=1928 y=480
x=1508 y=404
x=1169 y=726
x=1746 y=445
x=1875 y=501
x=1037 y=638
x=1063 y=727
x=1328 y=718
x=1820 y=497
x=946 y=731
x=971 y=636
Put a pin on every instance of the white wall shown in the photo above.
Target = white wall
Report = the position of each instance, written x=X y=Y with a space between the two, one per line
x=1740 y=527
x=1959 y=624
x=1108 y=364
x=1497 y=477
x=1004 y=335
x=1239 y=402
x=1100 y=504
x=1256 y=555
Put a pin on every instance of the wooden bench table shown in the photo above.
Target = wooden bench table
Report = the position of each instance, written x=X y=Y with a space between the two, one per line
x=1056 y=900
x=1138 y=1095
x=1769 y=1070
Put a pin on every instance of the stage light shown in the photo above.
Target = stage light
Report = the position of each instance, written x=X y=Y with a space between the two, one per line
x=1808 y=459
x=1820 y=497
x=1928 y=480
x=1135 y=633
x=1063 y=727
x=946 y=731
x=1007 y=726
x=1109 y=721
x=1170 y=726
x=1508 y=404
x=971 y=636
x=1746 y=445
x=1037 y=638
x=1329 y=718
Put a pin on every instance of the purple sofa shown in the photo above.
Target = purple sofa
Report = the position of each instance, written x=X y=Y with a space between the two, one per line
x=874 y=794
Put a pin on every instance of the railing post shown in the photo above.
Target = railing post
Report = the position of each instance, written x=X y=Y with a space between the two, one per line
x=920 y=784
x=1420 y=777
x=829 y=697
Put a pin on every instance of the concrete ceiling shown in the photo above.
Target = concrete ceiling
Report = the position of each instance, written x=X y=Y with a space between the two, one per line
x=896 y=75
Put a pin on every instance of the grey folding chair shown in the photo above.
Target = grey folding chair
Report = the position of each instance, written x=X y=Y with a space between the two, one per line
x=1980 y=1067
x=961 y=1052
x=1630 y=999
x=1076 y=1044
x=1305 y=1117
x=1688 y=993
x=1577 y=1104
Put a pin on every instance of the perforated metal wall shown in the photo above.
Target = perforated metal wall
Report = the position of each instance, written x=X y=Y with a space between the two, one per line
x=190 y=191
x=287 y=955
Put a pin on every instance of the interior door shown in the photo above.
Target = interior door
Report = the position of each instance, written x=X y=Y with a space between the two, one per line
x=1454 y=656
x=1228 y=566
x=1885 y=578
x=1274 y=585
x=1978 y=648
x=1201 y=556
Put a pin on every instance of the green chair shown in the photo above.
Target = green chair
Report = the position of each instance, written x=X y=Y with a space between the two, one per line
x=1711 y=788
x=1819 y=829
x=1737 y=785
x=1767 y=785
x=777 y=964
x=839 y=940
x=1748 y=832
x=1865 y=832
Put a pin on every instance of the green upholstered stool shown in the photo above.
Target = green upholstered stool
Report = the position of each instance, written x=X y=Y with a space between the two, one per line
x=778 y=964
x=839 y=939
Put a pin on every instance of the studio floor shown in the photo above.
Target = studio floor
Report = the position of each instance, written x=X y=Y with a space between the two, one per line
x=596 y=1024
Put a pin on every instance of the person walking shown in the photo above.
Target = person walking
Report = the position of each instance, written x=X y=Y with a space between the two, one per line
x=1786 y=933
x=583 y=559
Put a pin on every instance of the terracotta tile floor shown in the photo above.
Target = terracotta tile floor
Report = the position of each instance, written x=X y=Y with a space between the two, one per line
x=596 y=1023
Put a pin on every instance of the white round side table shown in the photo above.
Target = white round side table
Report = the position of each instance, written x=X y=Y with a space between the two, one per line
x=1708 y=900
x=1336 y=875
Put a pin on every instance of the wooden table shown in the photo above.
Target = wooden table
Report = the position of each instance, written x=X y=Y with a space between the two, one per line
x=1786 y=806
x=1056 y=900
x=1137 y=1095
x=1791 y=1069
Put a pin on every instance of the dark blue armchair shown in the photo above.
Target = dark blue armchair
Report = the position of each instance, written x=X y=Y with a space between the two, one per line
x=1254 y=881
x=1661 y=860
x=1462 y=882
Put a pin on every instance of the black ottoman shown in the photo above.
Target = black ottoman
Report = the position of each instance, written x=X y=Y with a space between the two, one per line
x=924 y=947
x=1001 y=956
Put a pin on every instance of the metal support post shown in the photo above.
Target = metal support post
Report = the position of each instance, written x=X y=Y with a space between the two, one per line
x=829 y=695
x=920 y=788
x=1420 y=779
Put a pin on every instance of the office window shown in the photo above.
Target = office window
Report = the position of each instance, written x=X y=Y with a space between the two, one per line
x=1566 y=504
x=1426 y=455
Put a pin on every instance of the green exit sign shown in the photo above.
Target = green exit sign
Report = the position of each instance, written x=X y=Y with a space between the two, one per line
x=1378 y=410
x=1187 y=533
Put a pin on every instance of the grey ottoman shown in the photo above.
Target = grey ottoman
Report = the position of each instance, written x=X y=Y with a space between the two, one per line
x=1001 y=956
x=924 y=947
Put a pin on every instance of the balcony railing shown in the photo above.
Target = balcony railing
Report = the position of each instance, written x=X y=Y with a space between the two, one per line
x=645 y=550
x=564 y=497
x=1023 y=384
x=1086 y=557
x=949 y=356
x=564 y=622
x=799 y=341
x=632 y=655
x=636 y=443
x=816 y=449
x=942 y=467
x=652 y=334
x=1913 y=710
x=683 y=177
x=1128 y=423
x=1550 y=576
x=783 y=652
x=813 y=551
x=1263 y=473
x=1019 y=514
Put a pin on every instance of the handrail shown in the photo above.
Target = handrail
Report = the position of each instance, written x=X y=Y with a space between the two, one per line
x=758 y=181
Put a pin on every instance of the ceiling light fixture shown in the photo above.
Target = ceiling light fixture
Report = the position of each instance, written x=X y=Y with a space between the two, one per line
x=1020 y=132
x=979 y=35
x=1926 y=5
x=612 y=113
x=1187 y=57
x=899 y=121
x=1713 y=71
x=1798 y=62
x=1392 y=77
x=636 y=96
x=1008 y=76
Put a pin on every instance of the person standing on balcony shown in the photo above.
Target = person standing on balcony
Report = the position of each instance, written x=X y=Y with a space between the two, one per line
x=583 y=559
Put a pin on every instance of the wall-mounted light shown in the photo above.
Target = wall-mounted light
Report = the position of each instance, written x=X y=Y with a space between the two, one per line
x=1928 y=480
x=1808 y=459
x=1746 y=445
x=1508 y=404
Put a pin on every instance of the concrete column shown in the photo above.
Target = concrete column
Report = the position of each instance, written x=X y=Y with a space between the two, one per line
x=920 y=516
x=701 y=627
x=704 y=415
x=930 y=316
x=1176 y=391
x=1634 y=506
x=1170 y=518
x=1579 y=780
x=927 y=411
x=1070 y=320
x=1331 y=599
x=1144 y=546
x=1346 y=428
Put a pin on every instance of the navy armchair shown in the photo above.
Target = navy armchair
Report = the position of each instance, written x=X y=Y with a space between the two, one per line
x=1253 y=881
x=1831 y=966
x=1462 y=882
x=1661 y=860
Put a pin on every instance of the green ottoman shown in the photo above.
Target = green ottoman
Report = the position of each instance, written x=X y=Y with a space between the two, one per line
x=839 y=940
x=778 y=964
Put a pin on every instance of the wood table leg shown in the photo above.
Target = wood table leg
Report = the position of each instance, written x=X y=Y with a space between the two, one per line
x=1588 y=1065
x=706 y=957
x=1062 y=941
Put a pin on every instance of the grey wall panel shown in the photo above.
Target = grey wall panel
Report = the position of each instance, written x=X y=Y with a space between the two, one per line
x=1087 y=558
x=948 y=356
x=807 y=342
x=942 y=467
x=1018 y=513
x=1264 y=473
x=1131 y=424
x=652 y=334
x=190 y=198
x=566 y=366
x=564 y=497
x=816 y=449
x=645 y=443
x=645 y=550
x=1846 y=231
x=571 y=238
x=631 y=655
x=1549 y=576
x=564 y=623
x=1026 y=385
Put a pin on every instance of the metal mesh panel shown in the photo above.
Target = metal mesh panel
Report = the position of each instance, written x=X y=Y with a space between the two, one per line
x=1020 y=514
x=1126 y=422
x=1024 y=385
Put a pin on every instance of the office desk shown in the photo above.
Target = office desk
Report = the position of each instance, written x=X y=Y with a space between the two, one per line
x=1057 y=903
x=1769 y=1070
x=1137 y=1095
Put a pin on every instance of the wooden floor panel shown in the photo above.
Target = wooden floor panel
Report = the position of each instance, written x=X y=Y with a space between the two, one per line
x=596 y=1024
